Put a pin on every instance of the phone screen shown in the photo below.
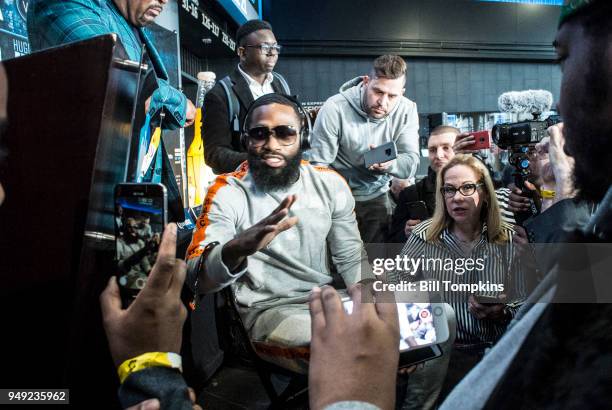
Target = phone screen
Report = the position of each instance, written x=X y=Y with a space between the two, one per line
x=140 y=211
x=416 y=324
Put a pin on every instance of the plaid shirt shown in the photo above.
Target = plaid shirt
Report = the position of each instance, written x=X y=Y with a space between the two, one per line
x=55 y=22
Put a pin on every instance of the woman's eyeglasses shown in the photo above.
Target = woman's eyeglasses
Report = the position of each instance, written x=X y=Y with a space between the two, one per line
x=449 y=191
x=284 y=134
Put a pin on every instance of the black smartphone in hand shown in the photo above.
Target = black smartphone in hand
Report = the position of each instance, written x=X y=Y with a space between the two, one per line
x=140 y=219
x=418 y=210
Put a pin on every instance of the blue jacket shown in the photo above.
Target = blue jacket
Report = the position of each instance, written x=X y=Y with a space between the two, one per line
x=53 y=23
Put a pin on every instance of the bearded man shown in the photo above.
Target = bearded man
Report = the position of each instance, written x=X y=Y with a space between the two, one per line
x=275 y=220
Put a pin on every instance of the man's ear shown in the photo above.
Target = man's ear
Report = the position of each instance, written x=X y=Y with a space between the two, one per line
x=403 y=91
x=365 y=79
x=240 y=51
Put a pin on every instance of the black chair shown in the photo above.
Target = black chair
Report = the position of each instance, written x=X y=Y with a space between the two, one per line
x=295 y=395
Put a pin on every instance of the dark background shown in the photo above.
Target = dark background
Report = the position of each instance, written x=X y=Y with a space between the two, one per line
x=461 y=54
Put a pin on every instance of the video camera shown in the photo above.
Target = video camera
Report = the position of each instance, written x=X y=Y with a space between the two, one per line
x=509 y=135
x=520 y=137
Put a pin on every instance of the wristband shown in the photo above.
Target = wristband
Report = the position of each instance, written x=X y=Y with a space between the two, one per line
x=146 y=360
x=547 y=193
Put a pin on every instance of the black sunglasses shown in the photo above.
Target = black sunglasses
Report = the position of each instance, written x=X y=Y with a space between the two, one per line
x=284 y=134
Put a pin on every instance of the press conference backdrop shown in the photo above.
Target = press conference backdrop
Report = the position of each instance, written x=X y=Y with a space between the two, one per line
x=13 y=29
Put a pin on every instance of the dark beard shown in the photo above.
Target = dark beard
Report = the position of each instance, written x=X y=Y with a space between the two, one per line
x=274 y=179
x=588 y=135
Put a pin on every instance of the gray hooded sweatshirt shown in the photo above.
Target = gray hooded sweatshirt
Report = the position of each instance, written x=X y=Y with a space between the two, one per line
x=343 y=132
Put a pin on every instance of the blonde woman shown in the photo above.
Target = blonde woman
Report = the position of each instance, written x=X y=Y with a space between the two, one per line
x=464 y=243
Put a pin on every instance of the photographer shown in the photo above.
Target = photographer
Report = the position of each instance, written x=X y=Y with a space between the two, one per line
x=560 y=211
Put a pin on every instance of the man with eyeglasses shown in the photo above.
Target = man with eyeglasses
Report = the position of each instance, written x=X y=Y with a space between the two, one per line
x=225 y=105
x=267 y=228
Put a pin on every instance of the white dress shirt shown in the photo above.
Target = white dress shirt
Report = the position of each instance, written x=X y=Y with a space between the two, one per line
x=258 y=89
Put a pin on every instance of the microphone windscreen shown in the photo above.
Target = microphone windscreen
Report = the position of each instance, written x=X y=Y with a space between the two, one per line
x=529 y=101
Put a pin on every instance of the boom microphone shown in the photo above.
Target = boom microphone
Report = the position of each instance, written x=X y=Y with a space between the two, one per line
x=529 y=101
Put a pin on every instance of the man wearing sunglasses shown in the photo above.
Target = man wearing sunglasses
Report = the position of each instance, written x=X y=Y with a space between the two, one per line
x=275 y=220
x=226 y=104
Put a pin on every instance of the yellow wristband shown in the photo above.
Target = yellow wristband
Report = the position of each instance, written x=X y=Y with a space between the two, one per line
x=547 y=193
x=146 y=360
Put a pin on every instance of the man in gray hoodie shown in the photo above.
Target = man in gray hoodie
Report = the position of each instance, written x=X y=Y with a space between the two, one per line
x=369 y=111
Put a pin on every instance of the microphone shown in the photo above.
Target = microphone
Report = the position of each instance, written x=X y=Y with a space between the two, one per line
x=529 y=101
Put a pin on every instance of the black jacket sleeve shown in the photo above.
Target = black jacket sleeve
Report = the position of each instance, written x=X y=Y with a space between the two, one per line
x=401 y=215
x=219 y=152
x=162 y=383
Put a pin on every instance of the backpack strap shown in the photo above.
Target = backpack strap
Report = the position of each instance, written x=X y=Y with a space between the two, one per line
x=232 y=104
x=282 y=82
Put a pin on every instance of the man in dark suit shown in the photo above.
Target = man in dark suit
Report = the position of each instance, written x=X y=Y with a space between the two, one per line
x=225 y=106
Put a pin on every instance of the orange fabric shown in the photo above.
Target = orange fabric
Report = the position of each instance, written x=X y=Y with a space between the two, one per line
x=199 y=235
x=266 y=349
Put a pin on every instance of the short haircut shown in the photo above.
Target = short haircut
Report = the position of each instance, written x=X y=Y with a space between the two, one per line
x=388 y=66
x=273 y=98
x=249 y=27
x=443 y=129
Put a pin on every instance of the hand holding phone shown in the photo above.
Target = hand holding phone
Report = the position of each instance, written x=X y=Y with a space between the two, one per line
x=420 y=329
x=417 y=210
x=378 y=157
x=470 y=142
x=359 y=349
x=140 y=218
x=486 y=307
x=154 y=322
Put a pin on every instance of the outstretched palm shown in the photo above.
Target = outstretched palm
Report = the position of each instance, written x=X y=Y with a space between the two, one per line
x=259 y=235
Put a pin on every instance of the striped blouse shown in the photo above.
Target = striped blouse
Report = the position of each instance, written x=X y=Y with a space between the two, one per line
x=503 y=198
x=444 y=262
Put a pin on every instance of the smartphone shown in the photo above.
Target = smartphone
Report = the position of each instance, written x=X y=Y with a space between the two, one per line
x=482 y=140
x=422 y=326
x=141 y=214
x=418 y=210
x=416 y=356
x=487 y=300
x=382 y=153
